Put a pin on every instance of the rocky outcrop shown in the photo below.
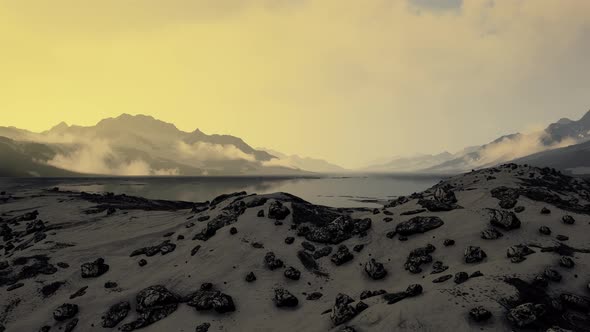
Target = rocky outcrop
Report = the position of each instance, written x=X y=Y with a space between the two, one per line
x=153 y=303
x=418 y=225
x=506 y=220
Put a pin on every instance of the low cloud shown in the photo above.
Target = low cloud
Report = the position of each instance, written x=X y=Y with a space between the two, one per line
x=520 y=146
x=201 y=151
x=98 y=157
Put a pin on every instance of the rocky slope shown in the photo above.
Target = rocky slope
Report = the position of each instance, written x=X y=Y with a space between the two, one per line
x=497 y=249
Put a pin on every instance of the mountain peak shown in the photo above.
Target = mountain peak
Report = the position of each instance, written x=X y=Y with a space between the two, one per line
x=60 y=126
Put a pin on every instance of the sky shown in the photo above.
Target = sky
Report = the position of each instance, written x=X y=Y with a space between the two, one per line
x=345 y=80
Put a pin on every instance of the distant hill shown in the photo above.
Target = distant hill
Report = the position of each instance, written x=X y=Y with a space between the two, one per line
x=138 y=145
x=574 y=159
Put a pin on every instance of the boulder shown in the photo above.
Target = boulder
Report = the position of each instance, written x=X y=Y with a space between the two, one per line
x=272 y=262
x=292 y=273
x=278 y=211
x=473 y=254
x=283 y=298
x=418 y=224
x=506 y=220
x=342 y=311
x=116 y=314
x=480 y=314
x=94 y=269
x=375 y=270
x=65 y=311
x=342 y=255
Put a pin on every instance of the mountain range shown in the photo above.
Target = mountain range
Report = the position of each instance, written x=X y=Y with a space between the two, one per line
x=139 y=145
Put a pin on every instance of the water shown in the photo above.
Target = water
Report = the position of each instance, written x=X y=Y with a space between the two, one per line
x=354 y=191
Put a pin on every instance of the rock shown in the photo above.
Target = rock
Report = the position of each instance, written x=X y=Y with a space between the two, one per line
x=375 y=270
x=476 y=274
x=576 y=302
x=207 y=298
x=519 y=250
x=525 y=314
x=283 y=298
x=307 y=260
x=474 y=254
x=396 y=202
x=461 y=277
x=65 y=311
x=256 y=202
x=414 y=290
x=367 y=293
x=260 y=214
x=491 y=234
x=278 y=211
x=566 y=262
x=233 y=231
x=418 y=257
x=433 y=205
x=418 y=224
x=568 y=220
x=442 y=278
x=411 y=212
x=71 y=325
x=562 y=237
x=289 y=240
x=552 y=275
x=63 y=265
x=347 y=329
x=438 y=267
x=308 y=246
x=224 y=197
x=387 y=219
x=203 y=218
x=342 y=311
x=142 y=262
x=519 y=209
x=480 y=314
x=14 y=286
x=314 y=296
x=506 y=220
x=51 y=288
x=94 y=269
x=508 y=196
x=545 y=230
x=449 y=242
x=79 y=292
x=545 y=210
x=342 y=255
x=292 y=273
x=195 y=250
x=358 y=247
x=35 y=226
x=322 y=252
x=271 y=262
x=110 y=284
x=116 y=314
x=250 y=277
x=3 y=265
x=153 y=303
x=203 y=327
x=361 y=306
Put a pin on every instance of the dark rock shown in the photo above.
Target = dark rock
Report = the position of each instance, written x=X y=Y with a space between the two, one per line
x=449 y=242
x=418 y=257
x=566 y=262
x=314 y=296
x=368 y=294
x=418 y=224
x=561 y=237
x=71 y=325
x=271 y=262
x=525 y=314
x=308 y=246
x=545 y=230
x=506 y=220
x=35 y=226
x=278 y=211
x=552 y=275
x=568 y=220
x=342 y=255
x=233 y=231
x=474 y=254
x=142 y=262
x=358 y=247
x=361 y=306
x=260 y=214
x=195 y=250
x=438 y=267
x=491 y=234
x=162 y=248
x=576 y=302
x=289 y=240
x=519 y=209
x=442 y=278
x=545 y=210
x=257 y=245
x=388 y=219
x=480 y=314
x=476 y=274
x=396 y=202
x=110 y=284
x=224 y=197
x=116 y=314
x=433 y=205
x=322 y=252
x=63 y=265
x=461 y=277
x=65 y=311
x=51 y=288
x=203 y=327
x=3 y=265
x=153 y=303
x=342 y=311
x=375 y=270
x=256 y=202
x=14 y=286
x=79 y=292
x=94 y=269
x=283 y=298
x=519 y=250
x=508 y=196
x=292 y=273
x=203 y=218
x=307 y=260
x=414 y=290
x=250 y=277
x=412 y=212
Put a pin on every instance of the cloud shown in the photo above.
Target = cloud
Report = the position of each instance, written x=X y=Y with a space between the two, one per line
x=97 y=157
x=520 y=146
x=202 y=151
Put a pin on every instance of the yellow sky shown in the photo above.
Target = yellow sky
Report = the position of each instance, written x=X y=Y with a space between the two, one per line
x=345 y=80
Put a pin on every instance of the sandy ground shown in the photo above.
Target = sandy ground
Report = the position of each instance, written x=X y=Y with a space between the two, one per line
x=75 y=237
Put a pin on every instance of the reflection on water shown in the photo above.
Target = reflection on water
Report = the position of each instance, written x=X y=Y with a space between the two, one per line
x=332 y=191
